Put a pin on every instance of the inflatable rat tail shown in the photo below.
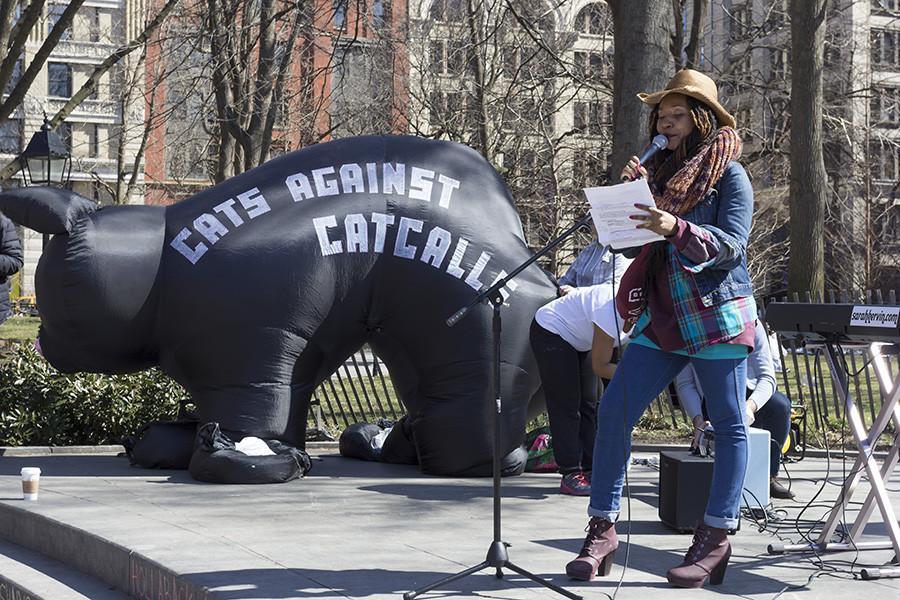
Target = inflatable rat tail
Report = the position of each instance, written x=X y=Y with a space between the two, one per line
x=45 y=209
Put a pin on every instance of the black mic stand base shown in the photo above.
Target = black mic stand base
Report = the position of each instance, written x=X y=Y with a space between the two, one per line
x=497 y=556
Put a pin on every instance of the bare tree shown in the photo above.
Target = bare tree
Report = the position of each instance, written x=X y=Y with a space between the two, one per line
x=527 y=84
x=809 y=191
x=15 y=44
x=16 y=40
x=687 y=56
x=642 y=34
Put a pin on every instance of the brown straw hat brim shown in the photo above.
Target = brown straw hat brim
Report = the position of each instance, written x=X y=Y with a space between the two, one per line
x=724 y=117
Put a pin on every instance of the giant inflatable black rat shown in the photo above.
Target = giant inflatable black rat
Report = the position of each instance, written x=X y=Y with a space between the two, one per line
x=252 y=292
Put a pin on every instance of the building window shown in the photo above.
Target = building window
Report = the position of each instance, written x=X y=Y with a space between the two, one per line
x=590 y=168
x=449 y=57
x=93 y=131
x=95 y=91
x=780 y=59
x=95 y=25
x=885 y=6
x=885 y=160
x=740 y=22
x=447 y=11
x=742 y=118
x=884 y=47
x=381 y=13
x=451 y=111
x=64 y=131
x=59 y=80
x=778 y=108
x=832 y=55
x=594 y=19
x=593 y=66
x=778 y=13
x=11 y=136
x=884 y=109
x=339 y=8
x=14 y=78
x=744 y=73
x=592 y=118
x=54 y=14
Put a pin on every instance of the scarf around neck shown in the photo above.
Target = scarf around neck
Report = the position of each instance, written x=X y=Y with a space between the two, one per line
x=699 y=174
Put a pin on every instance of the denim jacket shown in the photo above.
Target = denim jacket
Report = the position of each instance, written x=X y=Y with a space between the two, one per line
x=726 y=213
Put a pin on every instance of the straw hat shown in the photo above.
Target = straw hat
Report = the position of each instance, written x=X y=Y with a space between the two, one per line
x=696 y=85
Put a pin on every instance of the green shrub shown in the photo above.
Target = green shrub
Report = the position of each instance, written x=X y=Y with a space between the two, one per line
x=39 y=406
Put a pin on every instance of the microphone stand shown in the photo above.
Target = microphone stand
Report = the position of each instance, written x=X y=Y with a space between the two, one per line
x=497 y=556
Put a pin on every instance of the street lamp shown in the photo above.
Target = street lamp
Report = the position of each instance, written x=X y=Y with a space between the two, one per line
x=46 y=160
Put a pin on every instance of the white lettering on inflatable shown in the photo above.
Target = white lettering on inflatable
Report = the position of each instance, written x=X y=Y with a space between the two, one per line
x=372 y=172
x=357 y=233
x=327 y=246
x=253 y=202
x=510 y=286
x=324 y=187
x=401 y=248
x=226 y=209
x=209 y=227
x=454 y=267
x=192 y=254
x=448 y=184
x=352 y=179
x=475 y=273
x=393 y=179
x=355 y=178
x=298 y=186
x=420 y=184
x=436 y=247
x=381 y=221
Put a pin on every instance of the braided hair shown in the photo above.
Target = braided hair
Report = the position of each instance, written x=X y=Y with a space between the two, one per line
x=666 y=163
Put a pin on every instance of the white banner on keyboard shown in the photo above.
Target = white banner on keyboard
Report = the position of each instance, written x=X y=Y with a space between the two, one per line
x=875 y=316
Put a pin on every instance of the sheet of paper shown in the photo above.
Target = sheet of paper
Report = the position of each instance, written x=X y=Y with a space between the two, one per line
x=610 y=208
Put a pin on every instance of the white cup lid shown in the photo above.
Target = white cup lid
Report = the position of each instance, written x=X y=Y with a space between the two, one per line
x=31 y=471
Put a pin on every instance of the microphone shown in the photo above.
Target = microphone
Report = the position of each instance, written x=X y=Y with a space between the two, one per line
x=659 y=142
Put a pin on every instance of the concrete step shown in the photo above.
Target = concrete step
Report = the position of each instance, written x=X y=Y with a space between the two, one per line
x=28 y=575
x=109 y=565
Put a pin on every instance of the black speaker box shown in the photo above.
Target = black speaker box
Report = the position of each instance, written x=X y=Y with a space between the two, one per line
x=684 y=481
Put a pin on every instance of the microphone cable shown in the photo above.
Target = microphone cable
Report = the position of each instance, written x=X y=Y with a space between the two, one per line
x=625 y=455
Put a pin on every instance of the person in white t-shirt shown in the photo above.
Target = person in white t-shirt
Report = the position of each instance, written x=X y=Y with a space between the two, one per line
x=573 y=338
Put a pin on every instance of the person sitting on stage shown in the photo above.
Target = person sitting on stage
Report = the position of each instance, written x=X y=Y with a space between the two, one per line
x=563 y=333
x=695 y=301
x=766 y=407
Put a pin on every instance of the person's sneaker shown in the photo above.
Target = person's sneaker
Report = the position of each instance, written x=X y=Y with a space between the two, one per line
x=575 y=484
x=777 y=490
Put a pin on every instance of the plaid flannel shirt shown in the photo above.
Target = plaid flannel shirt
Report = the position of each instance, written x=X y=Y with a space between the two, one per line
x=693 y=249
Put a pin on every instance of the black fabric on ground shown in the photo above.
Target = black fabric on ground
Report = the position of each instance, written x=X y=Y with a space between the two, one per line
x=162 y=445
x=356 y=441
x=216 y=461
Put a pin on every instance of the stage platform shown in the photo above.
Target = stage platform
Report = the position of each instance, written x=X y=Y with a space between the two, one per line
x=351 y=529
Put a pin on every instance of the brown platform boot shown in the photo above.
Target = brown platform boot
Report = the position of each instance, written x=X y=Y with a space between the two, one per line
x=597 y=553
x=707 y=557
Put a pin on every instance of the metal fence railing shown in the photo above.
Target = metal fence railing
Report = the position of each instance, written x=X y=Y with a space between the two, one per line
x=361 y=390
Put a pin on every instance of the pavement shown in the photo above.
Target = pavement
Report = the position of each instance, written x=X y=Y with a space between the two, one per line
x=352 y=529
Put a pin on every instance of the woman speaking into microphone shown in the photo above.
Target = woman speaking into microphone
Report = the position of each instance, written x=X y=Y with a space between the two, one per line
x=691 y=298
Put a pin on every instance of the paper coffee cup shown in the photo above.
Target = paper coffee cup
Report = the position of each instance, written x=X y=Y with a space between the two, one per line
x=31 y=479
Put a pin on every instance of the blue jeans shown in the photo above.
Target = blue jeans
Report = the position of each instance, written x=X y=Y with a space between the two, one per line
x=640 y=376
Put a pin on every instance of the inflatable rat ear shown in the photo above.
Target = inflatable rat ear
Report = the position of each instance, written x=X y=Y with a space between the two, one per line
x=45 y=209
